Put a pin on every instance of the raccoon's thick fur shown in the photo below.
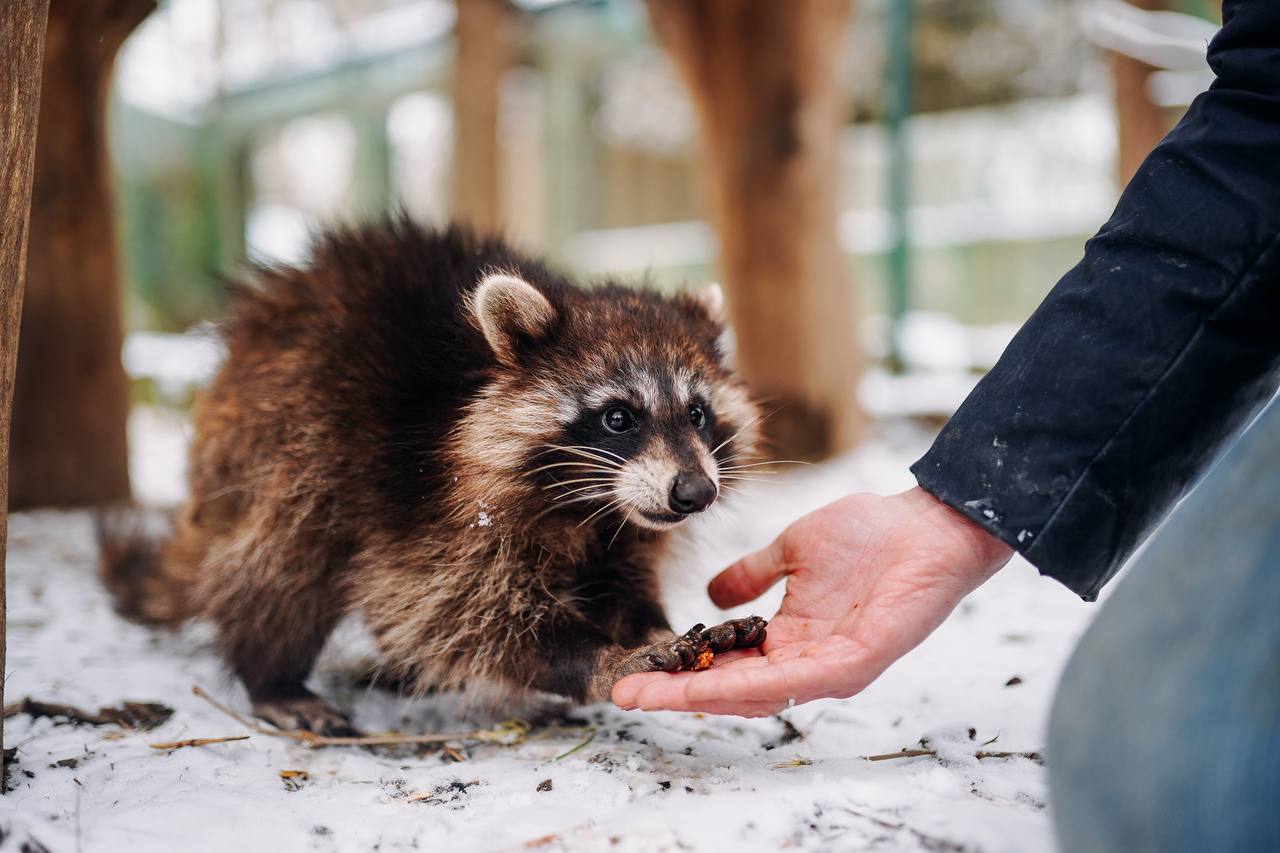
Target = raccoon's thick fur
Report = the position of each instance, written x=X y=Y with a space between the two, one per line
x=451 y=439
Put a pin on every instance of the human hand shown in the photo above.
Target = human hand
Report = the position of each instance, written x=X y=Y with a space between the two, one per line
x=868 y=578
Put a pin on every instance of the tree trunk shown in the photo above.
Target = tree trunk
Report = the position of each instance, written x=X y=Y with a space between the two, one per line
x=765 y=81
x=1140 y=123
x=71 y=399
x=484 y=43
x=22 y=25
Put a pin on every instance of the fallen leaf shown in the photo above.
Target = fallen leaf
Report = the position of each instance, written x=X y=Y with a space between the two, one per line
x=795 y=762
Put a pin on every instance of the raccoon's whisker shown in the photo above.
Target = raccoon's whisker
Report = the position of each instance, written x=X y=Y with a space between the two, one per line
x=586 y=492
x=590 y=484
x=559 y=483
x=736 y=434
x=619 y=530
x=586 y=452
x=760 y=464
x=589 y=449
x=741 y=454
x=610 y=505
x=583 y=466
x=566 y=500
x=580 y=489
x=576 y=466
x=743 y=479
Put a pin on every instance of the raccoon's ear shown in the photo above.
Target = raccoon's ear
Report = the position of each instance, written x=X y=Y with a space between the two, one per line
x=709 y=301
x=511 y=313
x=711 y=298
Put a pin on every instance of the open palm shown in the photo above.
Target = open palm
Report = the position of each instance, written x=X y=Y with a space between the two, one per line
x=868 y=578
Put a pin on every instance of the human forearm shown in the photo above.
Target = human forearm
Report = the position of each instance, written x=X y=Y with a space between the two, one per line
x=1151 y=353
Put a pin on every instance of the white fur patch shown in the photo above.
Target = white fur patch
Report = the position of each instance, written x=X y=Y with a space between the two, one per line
x=601 y=395
x=644 y=483
x=650 y=390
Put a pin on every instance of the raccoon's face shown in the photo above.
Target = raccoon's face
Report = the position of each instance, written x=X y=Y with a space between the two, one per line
x=615 y=403
x=642 y=442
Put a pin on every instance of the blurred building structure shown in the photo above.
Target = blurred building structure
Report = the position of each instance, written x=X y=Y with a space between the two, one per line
x=241 y=124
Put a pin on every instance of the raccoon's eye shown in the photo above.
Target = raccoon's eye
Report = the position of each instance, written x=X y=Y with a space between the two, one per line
x=618 y=419
x=697 y=416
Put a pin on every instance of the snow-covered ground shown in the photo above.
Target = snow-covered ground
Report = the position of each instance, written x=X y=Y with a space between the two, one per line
x=641 y=782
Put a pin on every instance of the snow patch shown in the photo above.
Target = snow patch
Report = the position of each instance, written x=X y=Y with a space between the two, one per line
x=619 y=781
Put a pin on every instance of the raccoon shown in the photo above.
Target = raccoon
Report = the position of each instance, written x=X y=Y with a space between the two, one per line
x=445 y=436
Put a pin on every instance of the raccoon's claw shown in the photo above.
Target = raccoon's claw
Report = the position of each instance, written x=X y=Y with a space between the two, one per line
x=689 y=651
x=735 y=634
x=309 y=713
x=670 y=655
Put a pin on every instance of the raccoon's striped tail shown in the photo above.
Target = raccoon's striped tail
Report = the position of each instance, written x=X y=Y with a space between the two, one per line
x=132 y=565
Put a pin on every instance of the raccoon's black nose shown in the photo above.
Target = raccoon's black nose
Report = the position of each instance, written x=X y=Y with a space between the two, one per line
x=691 y=493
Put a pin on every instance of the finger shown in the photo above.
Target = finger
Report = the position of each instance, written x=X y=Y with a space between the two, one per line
x=735 y=709
x=671 y=694
x=748 y=578
x=626 y=690
x=801 y=679
x=743 y=688
x=740 y=657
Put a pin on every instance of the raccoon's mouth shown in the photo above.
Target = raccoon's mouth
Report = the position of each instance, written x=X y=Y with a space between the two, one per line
x=663 y=519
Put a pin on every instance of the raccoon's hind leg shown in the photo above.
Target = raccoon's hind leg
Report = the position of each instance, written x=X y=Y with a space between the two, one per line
x=305 y=711
x=272 y=593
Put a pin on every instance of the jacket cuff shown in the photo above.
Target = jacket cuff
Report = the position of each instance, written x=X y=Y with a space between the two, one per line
x=1043 y=548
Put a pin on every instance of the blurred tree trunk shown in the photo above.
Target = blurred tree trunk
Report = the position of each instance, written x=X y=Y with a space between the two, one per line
x=1140 y=122
x=765 y=81
x=485 y=43
x=71 y=397
x=22 y=24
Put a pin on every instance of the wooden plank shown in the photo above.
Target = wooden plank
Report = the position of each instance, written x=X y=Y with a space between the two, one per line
x=1140 y=123
x=71 y=394
x=22 y=27
x=485 y=35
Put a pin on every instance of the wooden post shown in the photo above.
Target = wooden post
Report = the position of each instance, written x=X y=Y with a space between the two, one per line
x=484 y=48
x=22 y=26
x=71 y=395
x=567 y=156
x=1140 y=122
x=766 y=83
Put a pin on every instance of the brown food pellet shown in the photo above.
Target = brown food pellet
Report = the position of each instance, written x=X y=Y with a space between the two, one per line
x=705 y=658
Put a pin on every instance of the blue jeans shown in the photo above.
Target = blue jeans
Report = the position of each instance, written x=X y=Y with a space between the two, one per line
x=1165 y=734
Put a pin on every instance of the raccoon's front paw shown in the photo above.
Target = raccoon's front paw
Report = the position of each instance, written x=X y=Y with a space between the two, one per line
x=696 y=648
x=736 y=634
x=671 y=655
x=305 y=713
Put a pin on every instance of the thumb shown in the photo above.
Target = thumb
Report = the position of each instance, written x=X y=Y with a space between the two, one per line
x=748 y=578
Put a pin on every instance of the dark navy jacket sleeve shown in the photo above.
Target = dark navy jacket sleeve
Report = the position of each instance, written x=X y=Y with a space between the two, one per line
x=1150 y=354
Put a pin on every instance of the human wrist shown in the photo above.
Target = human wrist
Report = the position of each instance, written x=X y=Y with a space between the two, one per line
x=987 y=549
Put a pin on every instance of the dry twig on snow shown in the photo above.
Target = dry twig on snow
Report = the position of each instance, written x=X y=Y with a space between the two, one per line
x=170 y=746
x=507 y=734
x=142 y=716
x=980 y=754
